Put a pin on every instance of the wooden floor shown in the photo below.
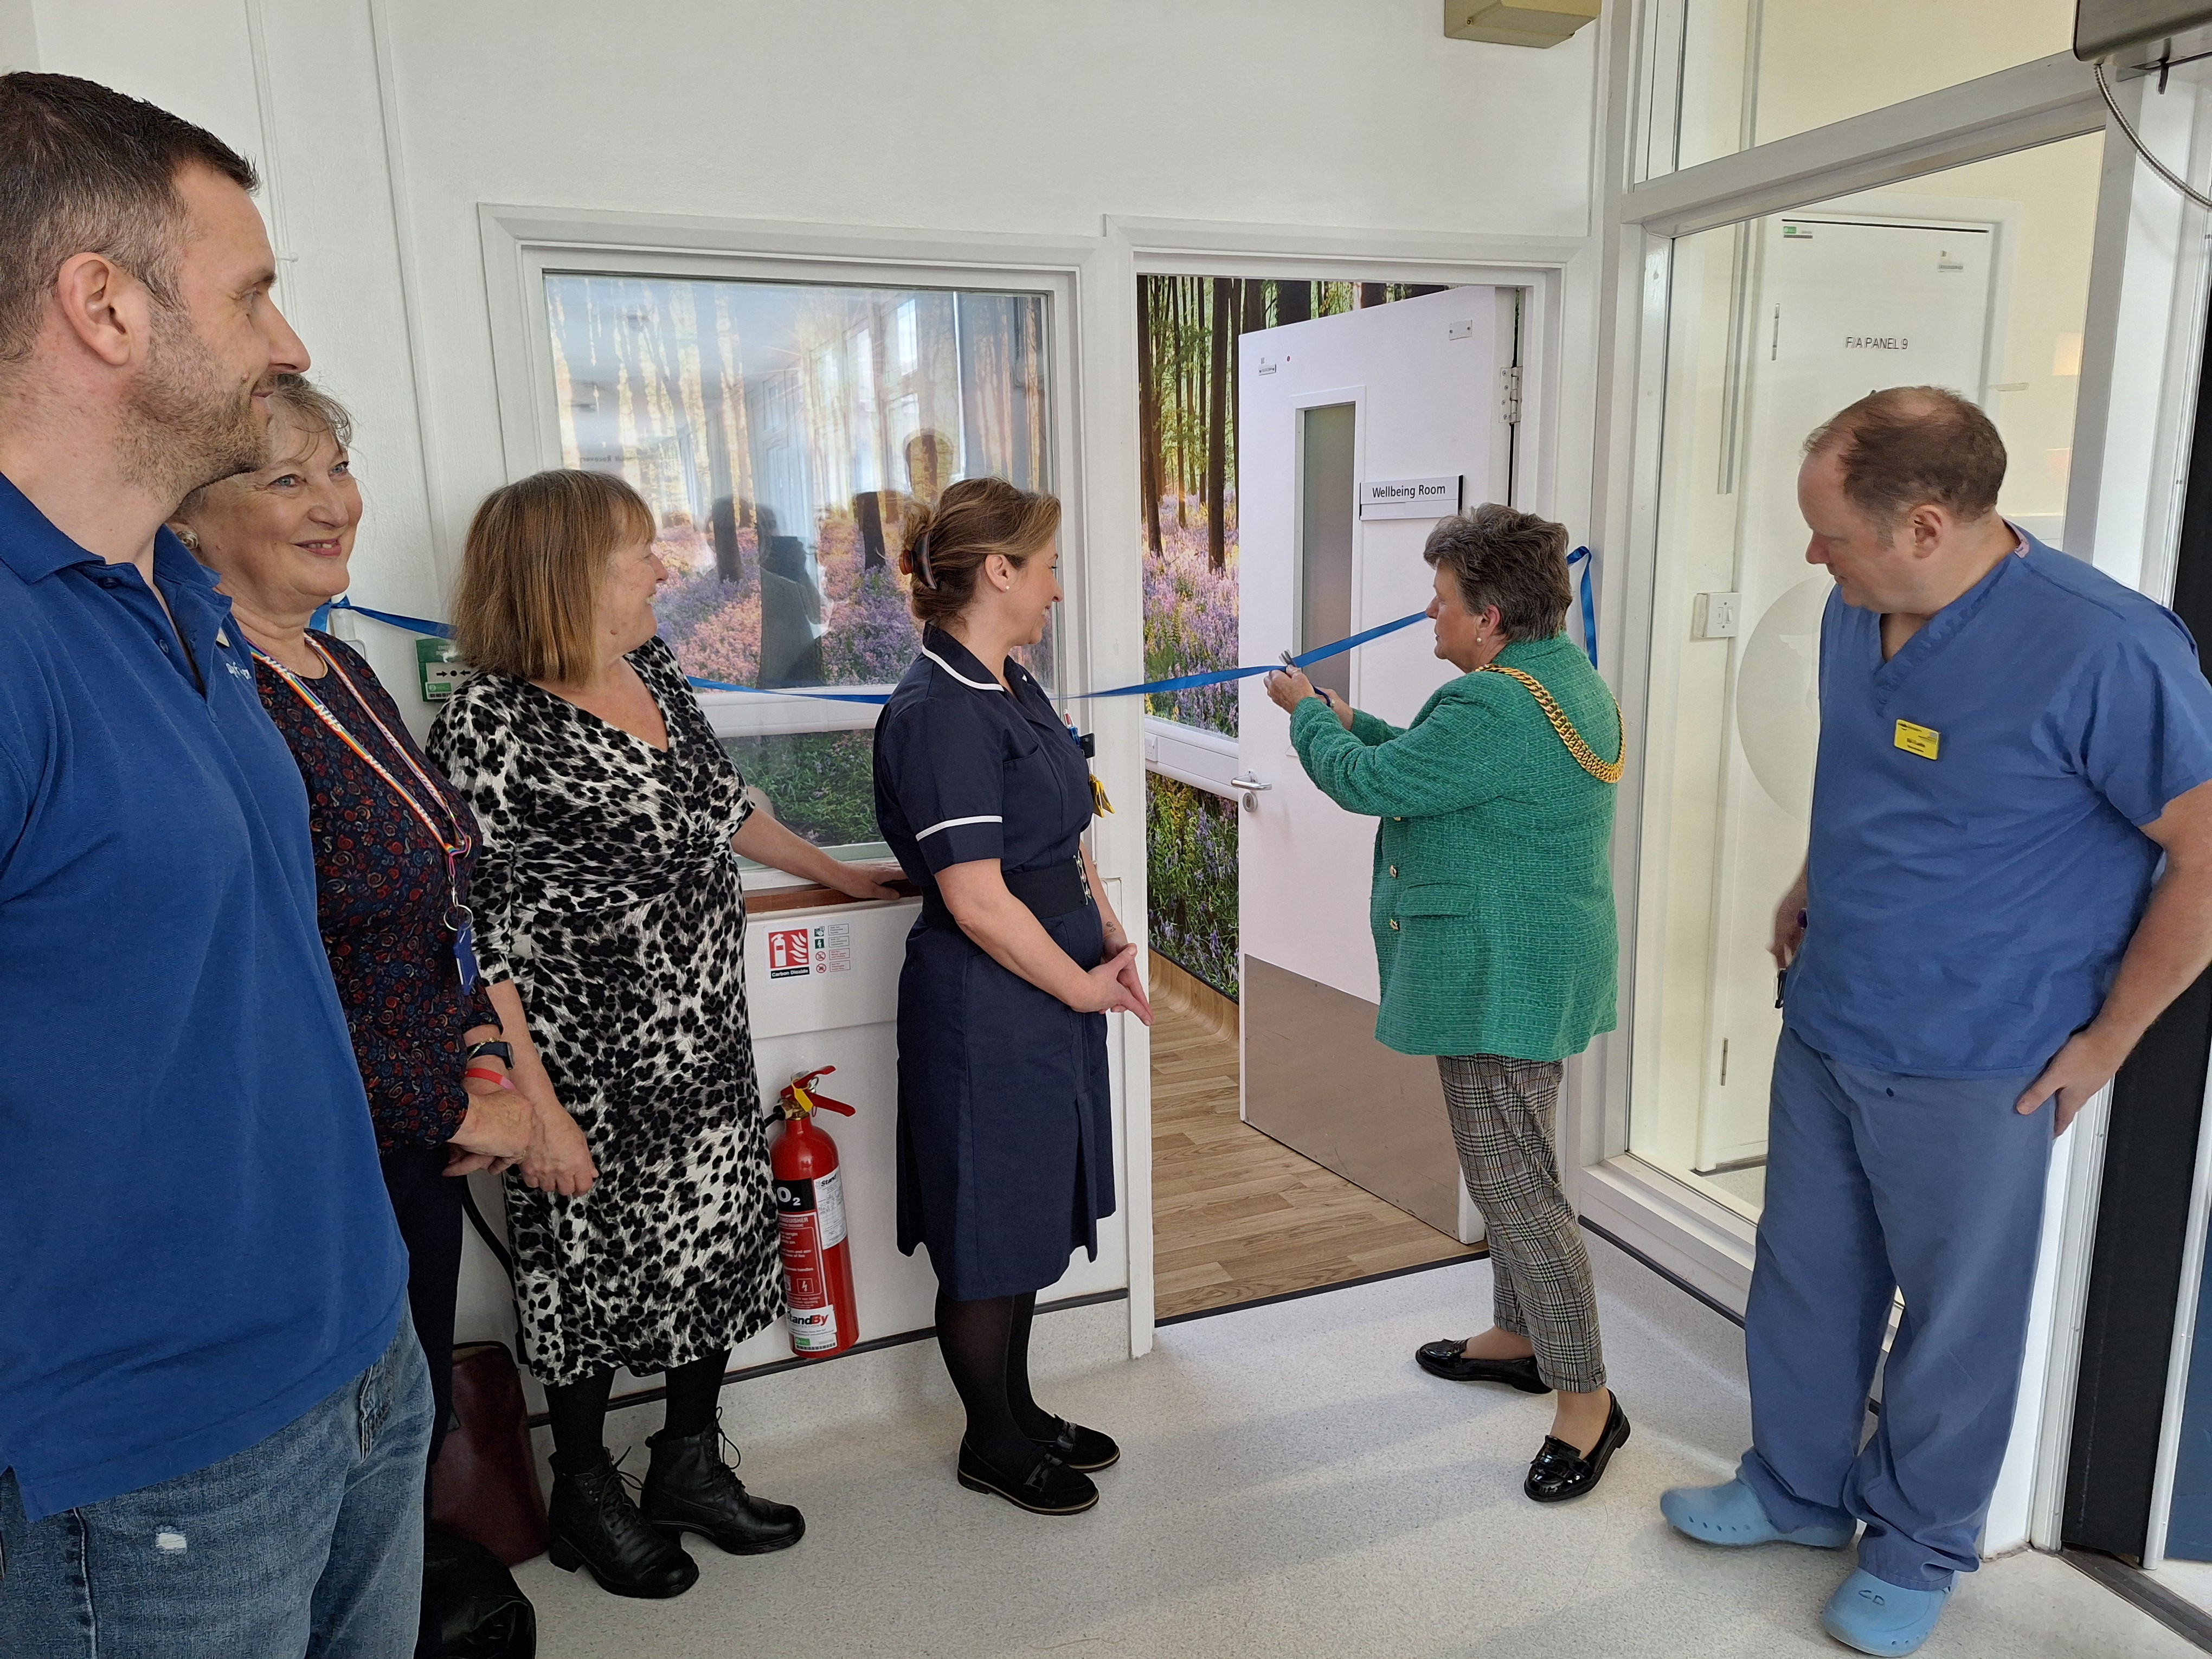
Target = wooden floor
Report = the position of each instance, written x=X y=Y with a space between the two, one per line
x=1236 y=1216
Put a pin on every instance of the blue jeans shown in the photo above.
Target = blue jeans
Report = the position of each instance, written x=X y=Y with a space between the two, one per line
x=1878 y=1181
x=309 y=1543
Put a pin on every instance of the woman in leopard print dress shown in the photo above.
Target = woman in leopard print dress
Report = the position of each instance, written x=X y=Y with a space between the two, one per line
x=610 y=925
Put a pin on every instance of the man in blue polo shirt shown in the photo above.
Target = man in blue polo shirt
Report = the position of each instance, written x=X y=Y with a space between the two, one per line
x=213 y=1414
x=2010 y=743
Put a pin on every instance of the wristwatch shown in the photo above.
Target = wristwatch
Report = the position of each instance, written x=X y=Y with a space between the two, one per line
x=502 y=1052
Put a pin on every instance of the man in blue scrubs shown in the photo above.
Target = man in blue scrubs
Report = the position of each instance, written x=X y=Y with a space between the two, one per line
x=2010 y=743
x=213 y=1411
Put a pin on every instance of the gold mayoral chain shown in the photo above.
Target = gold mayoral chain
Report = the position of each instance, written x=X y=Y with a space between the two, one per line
x=1585 y=756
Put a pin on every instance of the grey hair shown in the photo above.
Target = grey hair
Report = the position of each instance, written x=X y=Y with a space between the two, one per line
x=1514 y=561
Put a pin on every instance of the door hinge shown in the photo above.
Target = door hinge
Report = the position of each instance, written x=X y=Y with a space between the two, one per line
x=1509 y=393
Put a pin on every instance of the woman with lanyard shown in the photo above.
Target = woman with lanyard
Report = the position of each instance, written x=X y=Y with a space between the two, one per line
x=393 y=848
x=1006 y=1127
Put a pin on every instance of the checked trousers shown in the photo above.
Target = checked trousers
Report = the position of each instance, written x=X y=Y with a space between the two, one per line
x=1502 y=1113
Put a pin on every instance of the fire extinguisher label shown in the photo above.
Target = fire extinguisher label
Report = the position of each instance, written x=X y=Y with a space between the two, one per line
x=829 y=1203
x=802 y=1261
x=814 y=1330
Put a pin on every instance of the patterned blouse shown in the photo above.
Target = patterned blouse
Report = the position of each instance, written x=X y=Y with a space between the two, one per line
x=382 y=892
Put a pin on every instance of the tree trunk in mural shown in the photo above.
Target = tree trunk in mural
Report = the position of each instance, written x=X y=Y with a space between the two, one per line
x=1148 y=407
x=1293 y=302
x=1217 y=425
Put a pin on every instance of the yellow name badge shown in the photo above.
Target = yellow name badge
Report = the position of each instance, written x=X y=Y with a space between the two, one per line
x=1920 y=740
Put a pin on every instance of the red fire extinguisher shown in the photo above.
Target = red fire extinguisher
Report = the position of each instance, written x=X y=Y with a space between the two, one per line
x=809 y=1202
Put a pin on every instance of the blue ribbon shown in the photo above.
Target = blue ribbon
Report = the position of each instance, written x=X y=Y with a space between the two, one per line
x=441 y=630
x=412 y=624
x=1190 y=682
x=1181 y=683
x=1581 y=556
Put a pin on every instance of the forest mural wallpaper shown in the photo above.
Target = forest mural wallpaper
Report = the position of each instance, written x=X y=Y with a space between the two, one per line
x=1187 y=329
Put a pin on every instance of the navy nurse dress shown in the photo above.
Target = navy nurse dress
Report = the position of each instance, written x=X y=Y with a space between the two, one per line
x=1004 y=1133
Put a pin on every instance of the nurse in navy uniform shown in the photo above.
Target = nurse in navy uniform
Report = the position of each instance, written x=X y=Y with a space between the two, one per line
x=1006 y=1149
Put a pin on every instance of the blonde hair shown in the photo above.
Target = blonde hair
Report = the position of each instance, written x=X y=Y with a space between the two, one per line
x=973 y=519
x=528 y=604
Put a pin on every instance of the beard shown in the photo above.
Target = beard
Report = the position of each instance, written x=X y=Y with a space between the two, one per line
x=185 y=423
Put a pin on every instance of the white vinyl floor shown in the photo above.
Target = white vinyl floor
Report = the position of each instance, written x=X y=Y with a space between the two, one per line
x=1290 y=1486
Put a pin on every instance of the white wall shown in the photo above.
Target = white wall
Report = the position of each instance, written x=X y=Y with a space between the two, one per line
x=19 y=35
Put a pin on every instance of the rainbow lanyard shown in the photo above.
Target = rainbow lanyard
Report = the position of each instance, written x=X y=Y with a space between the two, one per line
x=455 y=846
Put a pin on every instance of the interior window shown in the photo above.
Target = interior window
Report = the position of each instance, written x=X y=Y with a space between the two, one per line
x=782 y=434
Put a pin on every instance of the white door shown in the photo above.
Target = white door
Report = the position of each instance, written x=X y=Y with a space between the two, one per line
x=1403 y=392
x=1842 y=306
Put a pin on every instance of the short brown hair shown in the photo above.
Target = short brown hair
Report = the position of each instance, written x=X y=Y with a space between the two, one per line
x=1912 y=445
x=528 y=604
x=973 y=519
x=1514 y=561
x=85 y=170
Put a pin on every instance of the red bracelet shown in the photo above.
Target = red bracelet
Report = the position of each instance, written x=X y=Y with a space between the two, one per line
x=499 y=1077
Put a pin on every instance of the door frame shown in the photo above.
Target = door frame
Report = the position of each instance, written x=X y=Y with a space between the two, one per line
x=1552 y=463
x=2133 y=415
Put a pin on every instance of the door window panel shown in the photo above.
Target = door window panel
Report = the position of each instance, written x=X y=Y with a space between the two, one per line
x=1326 y=463
x=781 y=433
x=1750 y=71
x=1976 y=279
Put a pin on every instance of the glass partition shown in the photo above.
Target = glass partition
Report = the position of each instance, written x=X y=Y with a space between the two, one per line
x=1747 y=72
x=1328 y=439
x=1976 y=279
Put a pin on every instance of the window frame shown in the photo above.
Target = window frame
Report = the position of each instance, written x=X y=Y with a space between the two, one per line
x=522 y=246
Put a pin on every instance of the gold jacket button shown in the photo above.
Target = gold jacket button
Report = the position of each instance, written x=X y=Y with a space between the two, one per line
x=1393 y=924
x=1393 y=869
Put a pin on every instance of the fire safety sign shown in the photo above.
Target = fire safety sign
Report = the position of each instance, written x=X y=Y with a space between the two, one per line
x=795 y=952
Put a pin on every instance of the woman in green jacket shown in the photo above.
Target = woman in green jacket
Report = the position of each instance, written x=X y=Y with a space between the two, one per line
x=1493 y=920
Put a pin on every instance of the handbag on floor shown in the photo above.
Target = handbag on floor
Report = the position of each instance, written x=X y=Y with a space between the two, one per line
x=484 y=1484
x=471 y=1607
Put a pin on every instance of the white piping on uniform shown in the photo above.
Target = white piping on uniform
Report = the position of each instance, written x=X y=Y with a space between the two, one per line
x=949 y=823
x=981 y=685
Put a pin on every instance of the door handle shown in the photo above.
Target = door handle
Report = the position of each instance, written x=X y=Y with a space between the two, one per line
x=1251 y=787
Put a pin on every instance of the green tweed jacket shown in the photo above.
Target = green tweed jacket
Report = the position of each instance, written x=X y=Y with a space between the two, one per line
x=1493 y=905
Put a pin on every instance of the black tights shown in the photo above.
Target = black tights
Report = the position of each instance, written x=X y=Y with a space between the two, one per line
x=987 y=1348
x=578 y=1410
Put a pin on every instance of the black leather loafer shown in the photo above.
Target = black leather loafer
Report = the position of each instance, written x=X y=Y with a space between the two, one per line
x=1445 y=1359
x=1084 y=1450
x=1048 y=1486
x=1560 y=1472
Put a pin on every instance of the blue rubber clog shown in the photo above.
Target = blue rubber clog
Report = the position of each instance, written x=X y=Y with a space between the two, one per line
x=1875 y=1616
x=1731 y=1515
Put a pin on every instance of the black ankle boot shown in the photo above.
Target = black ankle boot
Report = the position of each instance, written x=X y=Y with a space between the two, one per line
x=689 y=1488
x=593 y=1525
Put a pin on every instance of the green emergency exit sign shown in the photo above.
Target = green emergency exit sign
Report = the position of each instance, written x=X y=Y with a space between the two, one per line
x=438 y=668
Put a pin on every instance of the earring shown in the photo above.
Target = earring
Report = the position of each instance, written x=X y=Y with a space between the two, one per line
x=189 y=536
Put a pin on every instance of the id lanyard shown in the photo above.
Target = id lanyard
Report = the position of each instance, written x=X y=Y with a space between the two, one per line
x=455 y=846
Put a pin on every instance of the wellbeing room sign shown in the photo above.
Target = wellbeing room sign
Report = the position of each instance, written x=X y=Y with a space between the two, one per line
x=1410 y=498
